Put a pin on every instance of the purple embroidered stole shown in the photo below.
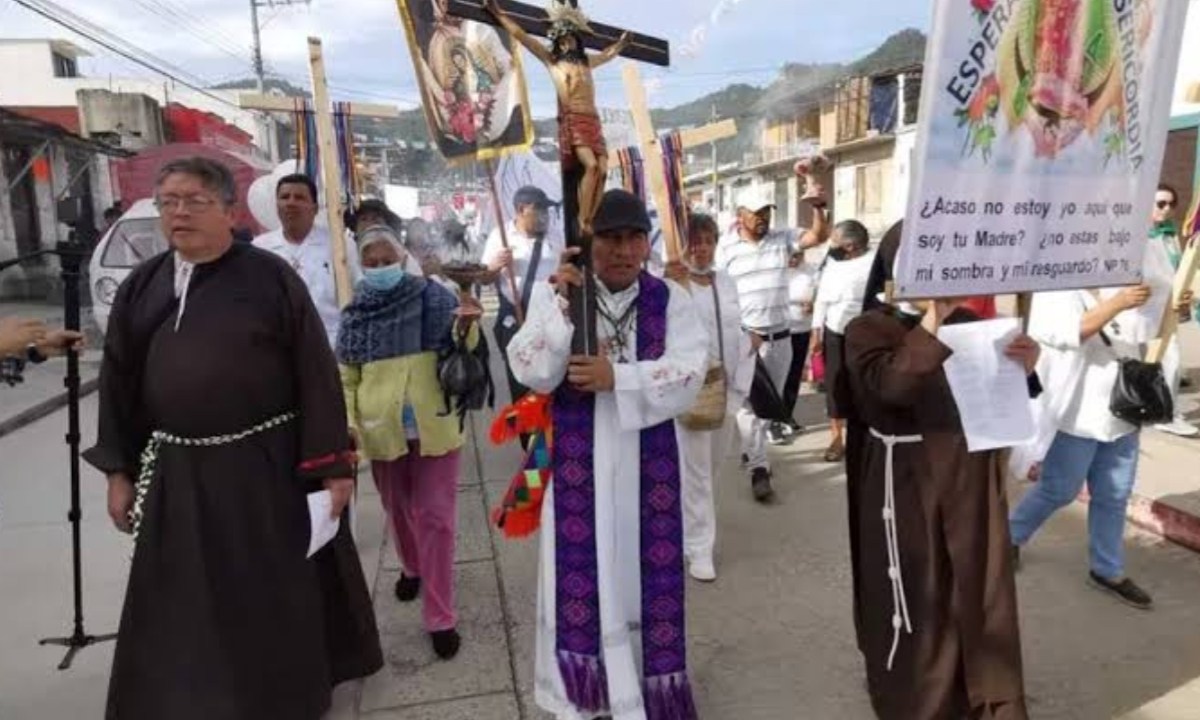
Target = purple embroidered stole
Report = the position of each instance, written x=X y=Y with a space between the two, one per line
x=666 y=691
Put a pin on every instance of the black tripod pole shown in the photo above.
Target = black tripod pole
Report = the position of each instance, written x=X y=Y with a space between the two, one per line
x=71 y=255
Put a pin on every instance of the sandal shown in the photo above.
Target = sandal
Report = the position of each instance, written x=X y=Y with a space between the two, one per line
x=835 y=453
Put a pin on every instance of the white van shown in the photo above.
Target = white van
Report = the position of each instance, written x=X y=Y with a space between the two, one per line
x=135 y=237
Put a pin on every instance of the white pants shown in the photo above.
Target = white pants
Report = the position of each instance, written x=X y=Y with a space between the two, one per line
x=777 y=357
x=703 y=454
x=1173 y=372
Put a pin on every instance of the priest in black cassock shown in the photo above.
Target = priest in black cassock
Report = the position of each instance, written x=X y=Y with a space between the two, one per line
x=220 y=411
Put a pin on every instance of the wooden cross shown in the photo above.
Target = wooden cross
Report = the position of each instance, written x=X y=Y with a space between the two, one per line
x=536 y=22
x=330 y=172
x=652 y=156
x=1189 y=268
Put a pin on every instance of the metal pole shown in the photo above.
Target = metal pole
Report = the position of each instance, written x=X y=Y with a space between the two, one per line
x=714 y=162
x=260 y=77
x=257 y=57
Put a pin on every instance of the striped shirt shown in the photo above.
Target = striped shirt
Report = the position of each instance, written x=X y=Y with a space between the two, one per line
x=761 y=273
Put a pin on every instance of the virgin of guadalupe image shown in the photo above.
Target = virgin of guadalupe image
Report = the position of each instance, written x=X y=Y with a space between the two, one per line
x=1059 y=72
x=467 y=78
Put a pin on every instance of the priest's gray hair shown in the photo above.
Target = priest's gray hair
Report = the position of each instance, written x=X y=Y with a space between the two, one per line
x=213 y=175
x=377 y=234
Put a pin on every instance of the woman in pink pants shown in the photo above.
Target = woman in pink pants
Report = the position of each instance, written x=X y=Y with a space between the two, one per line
x=388 y=350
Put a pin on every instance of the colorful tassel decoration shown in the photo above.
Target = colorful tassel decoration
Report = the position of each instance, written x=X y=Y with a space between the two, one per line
x=520 y=513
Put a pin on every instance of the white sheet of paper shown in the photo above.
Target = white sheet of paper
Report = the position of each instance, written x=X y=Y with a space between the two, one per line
x=324 y=527
x=991 y=390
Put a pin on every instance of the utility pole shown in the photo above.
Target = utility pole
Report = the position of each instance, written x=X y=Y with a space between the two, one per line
x=715 y=173
x=260 y=72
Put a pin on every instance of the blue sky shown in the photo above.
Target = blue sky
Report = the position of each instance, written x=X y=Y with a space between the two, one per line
x=368 y=61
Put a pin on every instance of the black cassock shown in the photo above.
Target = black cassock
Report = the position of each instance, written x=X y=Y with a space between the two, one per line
x=224 y=618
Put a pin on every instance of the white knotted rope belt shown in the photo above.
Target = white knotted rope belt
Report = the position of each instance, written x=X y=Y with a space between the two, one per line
x=900 y=617
x=159 y=438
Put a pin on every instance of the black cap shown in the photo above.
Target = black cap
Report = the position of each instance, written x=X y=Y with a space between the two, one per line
x=530 y=195
x=621 y=210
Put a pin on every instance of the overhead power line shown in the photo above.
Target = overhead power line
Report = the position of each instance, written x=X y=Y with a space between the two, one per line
x=199 y=31
x=237 y=44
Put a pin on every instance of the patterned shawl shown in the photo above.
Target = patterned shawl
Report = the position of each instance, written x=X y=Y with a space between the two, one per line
x=414 y=317
x=666 y=690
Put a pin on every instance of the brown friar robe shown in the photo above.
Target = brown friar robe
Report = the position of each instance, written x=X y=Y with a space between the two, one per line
x=225 y=618
x=963 y=656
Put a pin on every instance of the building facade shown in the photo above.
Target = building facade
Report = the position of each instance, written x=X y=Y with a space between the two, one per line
x=869 y=130
x=49 y=78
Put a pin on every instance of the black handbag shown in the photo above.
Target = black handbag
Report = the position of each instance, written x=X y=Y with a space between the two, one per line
x=466 y=378
x=765 y=400
x=1141 y=395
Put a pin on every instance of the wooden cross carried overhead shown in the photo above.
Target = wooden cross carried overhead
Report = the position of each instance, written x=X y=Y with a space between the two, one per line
x=584 y=167
x=330 y=173
x=536 y=21
x=652 y=155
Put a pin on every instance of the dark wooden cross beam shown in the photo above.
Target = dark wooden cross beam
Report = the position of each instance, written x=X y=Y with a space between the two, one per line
x=536 y=21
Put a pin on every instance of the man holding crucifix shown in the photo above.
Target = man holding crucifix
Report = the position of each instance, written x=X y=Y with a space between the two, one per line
x=611 y=638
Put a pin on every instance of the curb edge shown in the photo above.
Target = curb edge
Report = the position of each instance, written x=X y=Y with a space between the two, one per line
x=47 y=407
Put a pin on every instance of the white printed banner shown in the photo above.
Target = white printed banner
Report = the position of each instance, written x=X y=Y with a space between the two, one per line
x=1043 y=128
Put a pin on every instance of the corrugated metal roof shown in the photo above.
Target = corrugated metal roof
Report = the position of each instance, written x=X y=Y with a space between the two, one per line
x=15 y=127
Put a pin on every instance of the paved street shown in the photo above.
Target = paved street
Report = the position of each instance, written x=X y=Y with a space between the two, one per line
x=771 y=640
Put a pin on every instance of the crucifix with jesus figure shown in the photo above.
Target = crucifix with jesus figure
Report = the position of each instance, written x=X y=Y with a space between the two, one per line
x=583 y=152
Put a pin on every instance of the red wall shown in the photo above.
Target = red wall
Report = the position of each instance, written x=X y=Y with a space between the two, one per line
x=187 y=125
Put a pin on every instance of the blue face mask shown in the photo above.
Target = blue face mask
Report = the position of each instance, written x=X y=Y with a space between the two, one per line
x=383 y=278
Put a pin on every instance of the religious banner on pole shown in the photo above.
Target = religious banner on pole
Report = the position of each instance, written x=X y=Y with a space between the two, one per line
x=1043 y=128
x=472 y=84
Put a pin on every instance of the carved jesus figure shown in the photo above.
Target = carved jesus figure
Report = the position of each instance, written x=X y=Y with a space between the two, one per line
x=580 y=132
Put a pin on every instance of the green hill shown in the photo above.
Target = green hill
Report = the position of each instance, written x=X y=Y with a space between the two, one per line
x=798 y=86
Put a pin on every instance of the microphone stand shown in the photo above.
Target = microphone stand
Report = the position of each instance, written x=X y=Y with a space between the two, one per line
x=71 y=255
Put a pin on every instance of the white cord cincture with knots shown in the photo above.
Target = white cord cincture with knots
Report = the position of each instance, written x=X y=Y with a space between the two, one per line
x=900 y=616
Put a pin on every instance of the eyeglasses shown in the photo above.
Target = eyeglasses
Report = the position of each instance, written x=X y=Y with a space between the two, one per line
x=1164 y=204
x=192 y=204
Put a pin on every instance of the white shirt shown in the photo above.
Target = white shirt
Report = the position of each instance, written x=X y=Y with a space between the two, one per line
x=313 y=261
x=802 y=289
x=522 y=251
x=1078 y=378
x=1141 y=325
x=840 y=294
x=738 y=356
x=761 y=272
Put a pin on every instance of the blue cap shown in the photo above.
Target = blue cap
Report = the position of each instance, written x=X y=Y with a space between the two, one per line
x=530 y=195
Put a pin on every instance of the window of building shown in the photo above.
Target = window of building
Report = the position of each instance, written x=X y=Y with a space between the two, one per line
x=65 y=67
x=869 y=182
x=912 y=96
x=853 y=101
x=884 y=104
